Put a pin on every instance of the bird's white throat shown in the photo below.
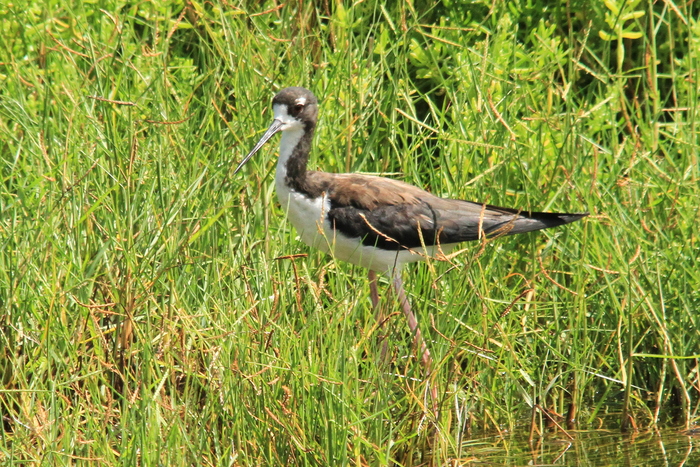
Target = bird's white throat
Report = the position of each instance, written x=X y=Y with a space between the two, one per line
x=290 y=138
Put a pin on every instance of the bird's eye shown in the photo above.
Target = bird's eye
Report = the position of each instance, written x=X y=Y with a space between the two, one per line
x=298 y=107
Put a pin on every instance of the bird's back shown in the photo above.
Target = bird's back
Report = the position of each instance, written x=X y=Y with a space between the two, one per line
x=394 y=215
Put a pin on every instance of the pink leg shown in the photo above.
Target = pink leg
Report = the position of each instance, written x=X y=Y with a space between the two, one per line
x=426 y=359
x=379 y=316
x=373 y=294
x=412 y=323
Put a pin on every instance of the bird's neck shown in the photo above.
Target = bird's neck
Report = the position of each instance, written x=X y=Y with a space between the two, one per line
x=295 y=146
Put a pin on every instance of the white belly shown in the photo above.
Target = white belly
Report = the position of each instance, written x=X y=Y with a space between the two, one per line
x=309 y=217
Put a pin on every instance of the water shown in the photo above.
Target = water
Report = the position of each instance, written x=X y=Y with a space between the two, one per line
x=588 y=448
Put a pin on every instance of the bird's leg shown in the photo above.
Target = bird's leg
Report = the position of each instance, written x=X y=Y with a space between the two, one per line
x=379 y=316
x=373 y=294
x=412 y=323
x=426 y=359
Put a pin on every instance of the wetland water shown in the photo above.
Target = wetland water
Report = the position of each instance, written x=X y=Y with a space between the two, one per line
x=588 y=448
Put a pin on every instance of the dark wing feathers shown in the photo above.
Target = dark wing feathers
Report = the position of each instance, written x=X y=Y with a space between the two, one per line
x=390 y=227
x=394 y=215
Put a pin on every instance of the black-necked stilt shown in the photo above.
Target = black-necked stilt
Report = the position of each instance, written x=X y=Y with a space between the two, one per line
x=375 y=222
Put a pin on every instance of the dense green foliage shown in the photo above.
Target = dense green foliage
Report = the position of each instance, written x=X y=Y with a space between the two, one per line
x=151 y=311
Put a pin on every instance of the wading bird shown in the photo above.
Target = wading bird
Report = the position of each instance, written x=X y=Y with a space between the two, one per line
x=376 y=222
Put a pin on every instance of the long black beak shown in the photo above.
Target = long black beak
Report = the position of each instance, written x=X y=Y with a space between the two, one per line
x=275 y=127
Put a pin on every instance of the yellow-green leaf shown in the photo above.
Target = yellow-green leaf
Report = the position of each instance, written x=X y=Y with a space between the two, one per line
x=605 y=36
x=612 y=7
x=631 y=35
x=633 y=15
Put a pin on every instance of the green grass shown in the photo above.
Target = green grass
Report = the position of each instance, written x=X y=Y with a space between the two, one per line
x=151 y=312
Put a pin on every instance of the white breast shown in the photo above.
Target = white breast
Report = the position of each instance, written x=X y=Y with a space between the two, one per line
x=309 y=217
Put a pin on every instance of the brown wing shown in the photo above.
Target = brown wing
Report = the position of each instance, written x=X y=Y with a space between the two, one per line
x=394 y=215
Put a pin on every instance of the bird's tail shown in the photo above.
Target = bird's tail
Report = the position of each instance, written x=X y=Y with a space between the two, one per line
x=526 y=221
